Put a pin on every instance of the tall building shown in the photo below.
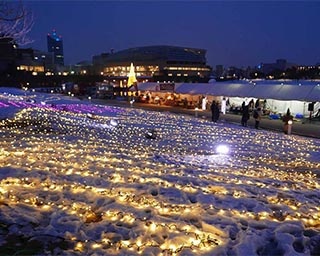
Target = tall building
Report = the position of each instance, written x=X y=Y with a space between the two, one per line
x=55 y=45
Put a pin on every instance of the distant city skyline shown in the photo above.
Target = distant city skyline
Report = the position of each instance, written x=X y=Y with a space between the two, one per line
x=234 y=33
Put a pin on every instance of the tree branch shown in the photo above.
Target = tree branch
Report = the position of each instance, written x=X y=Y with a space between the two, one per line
x=15 y=22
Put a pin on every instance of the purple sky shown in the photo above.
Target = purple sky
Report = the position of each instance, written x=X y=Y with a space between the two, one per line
x=238 y=33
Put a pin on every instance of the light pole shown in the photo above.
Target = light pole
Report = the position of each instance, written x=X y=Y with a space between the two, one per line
x=196 y=112
x=289 y=126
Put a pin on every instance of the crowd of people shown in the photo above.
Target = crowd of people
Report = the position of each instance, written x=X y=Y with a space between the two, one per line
x=254 y=108
x=246 y=109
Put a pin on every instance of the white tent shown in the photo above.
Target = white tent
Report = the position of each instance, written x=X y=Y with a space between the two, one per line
x=235 y=89
x=280 y=94
x=314 y=94
x=194 y=88
x=155 y=87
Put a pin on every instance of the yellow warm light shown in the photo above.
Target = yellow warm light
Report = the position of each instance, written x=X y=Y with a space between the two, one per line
x=96 y=246
x=79 y=247
x=120 y=178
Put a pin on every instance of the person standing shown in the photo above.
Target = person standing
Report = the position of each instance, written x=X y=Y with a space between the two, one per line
x=245 y=115
x=257 y=113
x=224 y=106
x=257 y=104
x=251 y=105
x=204 y=103
x=285 y=119
x=215 y=111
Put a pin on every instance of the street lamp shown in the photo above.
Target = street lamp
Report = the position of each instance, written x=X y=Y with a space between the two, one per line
x=196 y=111
x=289 y=126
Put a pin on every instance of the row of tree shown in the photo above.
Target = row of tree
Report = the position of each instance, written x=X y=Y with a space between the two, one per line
x=295 y=73
x=290 y=73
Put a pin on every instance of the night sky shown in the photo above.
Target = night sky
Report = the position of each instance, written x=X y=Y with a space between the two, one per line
x=234 y=33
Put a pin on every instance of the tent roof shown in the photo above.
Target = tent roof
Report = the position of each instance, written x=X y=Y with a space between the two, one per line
x=303 y=90
x=194 y=88
x=314 y=94
x=236 y=89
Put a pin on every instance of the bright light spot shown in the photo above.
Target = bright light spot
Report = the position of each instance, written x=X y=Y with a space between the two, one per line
x=79 y=246
x=113 y=122
x=222 y=149
x=95 y=246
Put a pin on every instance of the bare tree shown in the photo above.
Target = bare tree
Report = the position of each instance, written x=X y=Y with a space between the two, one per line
x=15 y=22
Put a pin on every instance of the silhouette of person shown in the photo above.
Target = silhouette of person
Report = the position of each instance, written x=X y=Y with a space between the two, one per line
x=215 y=111
x=286 y=118
x=245 y=115
x=257 y=113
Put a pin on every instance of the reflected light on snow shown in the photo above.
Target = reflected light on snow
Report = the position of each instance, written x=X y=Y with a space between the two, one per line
x=121 y=193
x=113 y=122
x=222 y=149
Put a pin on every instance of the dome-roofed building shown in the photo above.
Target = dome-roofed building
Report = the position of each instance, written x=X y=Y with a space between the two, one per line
x=156 y=63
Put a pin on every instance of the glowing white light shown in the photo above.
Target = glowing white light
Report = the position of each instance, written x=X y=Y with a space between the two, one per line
x=290 y=122
x=222 y=149
x=113 y=122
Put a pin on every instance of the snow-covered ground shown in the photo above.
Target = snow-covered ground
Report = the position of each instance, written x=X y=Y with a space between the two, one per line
x=84 y=179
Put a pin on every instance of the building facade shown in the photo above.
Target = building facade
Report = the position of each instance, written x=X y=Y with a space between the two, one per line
x=26 y=62
x=55 y=45
x=279 y=65
x=156 y=63
x=46 y=59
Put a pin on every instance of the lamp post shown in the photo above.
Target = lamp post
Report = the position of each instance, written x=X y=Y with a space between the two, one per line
x=196 y=112
x=289 y=126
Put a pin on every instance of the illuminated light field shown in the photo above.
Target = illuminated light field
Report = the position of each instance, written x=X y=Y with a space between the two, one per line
x=98 y=186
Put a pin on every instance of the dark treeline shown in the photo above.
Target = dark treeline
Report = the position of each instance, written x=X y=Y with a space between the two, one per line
x=39 y=81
